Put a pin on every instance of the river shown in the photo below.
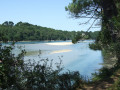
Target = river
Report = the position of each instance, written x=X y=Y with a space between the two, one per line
x=75 y=57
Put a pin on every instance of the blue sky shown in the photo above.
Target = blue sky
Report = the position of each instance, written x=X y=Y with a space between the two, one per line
x=46 y=13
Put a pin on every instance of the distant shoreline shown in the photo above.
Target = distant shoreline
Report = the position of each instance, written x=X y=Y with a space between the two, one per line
x=34 y=41
x=37 y=40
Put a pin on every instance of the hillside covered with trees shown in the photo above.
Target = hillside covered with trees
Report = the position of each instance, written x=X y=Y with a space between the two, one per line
x=25 y=32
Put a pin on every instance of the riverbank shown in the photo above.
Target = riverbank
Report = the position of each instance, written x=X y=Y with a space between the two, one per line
x=35 y=40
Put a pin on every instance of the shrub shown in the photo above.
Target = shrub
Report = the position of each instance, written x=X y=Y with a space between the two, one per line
x=16 y=74
x=95 y=46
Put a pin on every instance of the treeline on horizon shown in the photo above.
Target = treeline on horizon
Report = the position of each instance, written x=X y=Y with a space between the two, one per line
x=23 y=31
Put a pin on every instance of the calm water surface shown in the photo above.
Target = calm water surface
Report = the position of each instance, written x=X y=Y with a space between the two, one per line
x=78 y=57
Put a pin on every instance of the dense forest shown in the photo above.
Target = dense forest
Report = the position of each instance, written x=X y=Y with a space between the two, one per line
x=25 y=32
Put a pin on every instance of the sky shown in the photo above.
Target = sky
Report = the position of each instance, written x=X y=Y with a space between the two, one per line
x=46 y=13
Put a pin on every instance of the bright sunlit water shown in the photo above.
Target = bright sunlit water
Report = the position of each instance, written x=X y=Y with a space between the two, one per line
x=75 y=57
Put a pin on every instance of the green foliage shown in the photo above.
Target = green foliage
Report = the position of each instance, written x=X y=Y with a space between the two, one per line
x=105 y=36
x=10 y=68
x=115 y=86
x=106 y=73
x=103 y=74
x=93 y=35
x=44 y=77
x=107 y=10
x=109 y=37
x=15 y=74
x=74 y=41
x=25 y=31
x=88 y=7
x=81 y=35
x=95 y=46
x=9 y=24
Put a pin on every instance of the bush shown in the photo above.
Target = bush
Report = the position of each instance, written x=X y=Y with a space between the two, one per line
x=74 y=41
x=103 y=74
x=10 y=68
x=15 y=74
x=95 y=46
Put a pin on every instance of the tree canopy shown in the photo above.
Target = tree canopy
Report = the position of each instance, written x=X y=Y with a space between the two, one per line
x=25 y=31
x=81 y=8
x=105 y=10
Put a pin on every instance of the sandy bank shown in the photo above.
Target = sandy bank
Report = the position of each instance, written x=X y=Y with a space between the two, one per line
x=60 y=51
x=60 y=43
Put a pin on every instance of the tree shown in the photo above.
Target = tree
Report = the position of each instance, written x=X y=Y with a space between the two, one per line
x=93 y=8
x=96 y=9
x=81 y=8
x=6 y=23
x=25 y=31
x=11 y=23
